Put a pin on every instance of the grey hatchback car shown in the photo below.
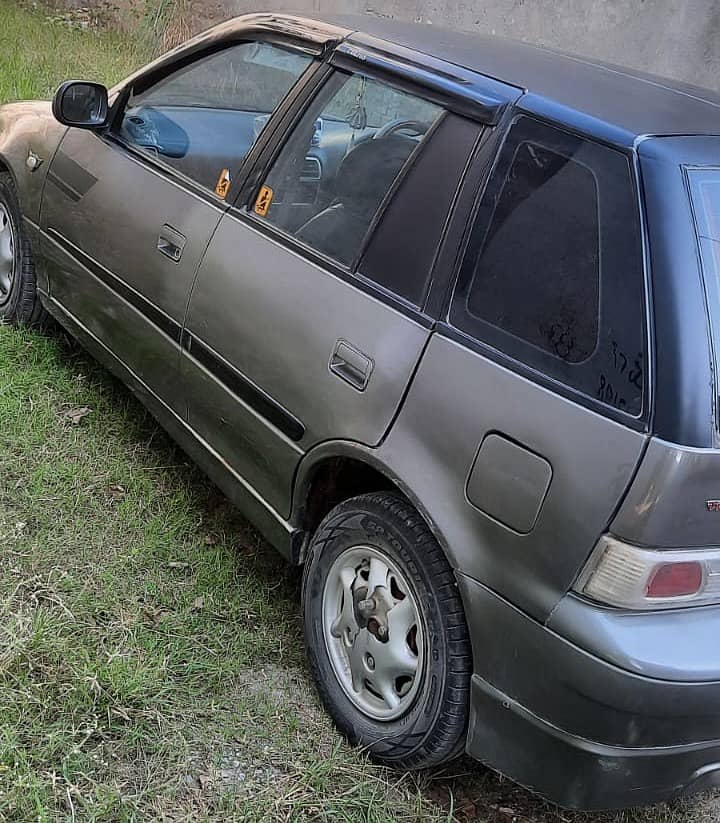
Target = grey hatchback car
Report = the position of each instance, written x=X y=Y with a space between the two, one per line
x=441 y=314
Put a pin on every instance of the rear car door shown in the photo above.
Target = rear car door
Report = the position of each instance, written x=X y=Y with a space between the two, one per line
x=128 y=214
x=314 y=331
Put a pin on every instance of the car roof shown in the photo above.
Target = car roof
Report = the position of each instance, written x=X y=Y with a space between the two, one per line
x=617 y=103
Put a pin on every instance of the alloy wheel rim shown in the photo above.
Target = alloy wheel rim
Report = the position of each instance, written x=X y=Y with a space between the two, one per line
x=373 y=632
x=7 y=254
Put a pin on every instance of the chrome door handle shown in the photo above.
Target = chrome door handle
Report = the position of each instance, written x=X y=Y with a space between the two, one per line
x=171 y=243
x=351 y=365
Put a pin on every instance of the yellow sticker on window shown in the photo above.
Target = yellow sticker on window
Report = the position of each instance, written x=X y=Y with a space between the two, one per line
x=264 y=199
x=222 y=187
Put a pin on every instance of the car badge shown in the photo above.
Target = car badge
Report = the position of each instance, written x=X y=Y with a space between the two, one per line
x=713 y=505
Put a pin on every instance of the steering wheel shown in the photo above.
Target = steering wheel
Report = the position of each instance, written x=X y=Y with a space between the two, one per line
x=414 y=126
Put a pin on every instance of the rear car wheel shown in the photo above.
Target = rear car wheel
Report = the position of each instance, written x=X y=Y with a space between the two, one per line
x=385 y=632
x=19 y=300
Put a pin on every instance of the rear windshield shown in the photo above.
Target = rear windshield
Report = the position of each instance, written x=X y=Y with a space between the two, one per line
x=705 y=192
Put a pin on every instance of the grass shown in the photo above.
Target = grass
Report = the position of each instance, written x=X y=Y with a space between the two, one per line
x=151 y=663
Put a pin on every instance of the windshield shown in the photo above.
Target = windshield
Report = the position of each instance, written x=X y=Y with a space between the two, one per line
x=705 y=192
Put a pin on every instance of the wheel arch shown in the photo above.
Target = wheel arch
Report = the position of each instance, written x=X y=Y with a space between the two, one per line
x=338 y=470
x=6 y=168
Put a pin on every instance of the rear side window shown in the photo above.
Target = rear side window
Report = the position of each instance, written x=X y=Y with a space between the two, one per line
x=705 y=191
x=553 y=275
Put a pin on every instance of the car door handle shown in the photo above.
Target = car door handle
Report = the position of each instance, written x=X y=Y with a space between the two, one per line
x=351 y=365
x=171 y=243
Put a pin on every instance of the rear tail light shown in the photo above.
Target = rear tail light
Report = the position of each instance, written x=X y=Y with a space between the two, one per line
x=681 y=579
x=631 y=577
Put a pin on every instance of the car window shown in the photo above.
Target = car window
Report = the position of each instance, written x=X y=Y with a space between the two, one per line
x=553 y=276
x=204 y=118
x=403 y=249
x=705 y=191
x=341 y=161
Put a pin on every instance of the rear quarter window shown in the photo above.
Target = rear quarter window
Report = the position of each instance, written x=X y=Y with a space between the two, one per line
x=553 y=275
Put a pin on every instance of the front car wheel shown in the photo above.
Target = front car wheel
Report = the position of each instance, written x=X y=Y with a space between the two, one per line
x=19 y=299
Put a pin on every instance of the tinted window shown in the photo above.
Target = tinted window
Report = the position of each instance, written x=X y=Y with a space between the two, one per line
x=342 y=161
x=204 y=118
x=538 y=275
x=403 y=248
x=705 y=189
x=553 y=276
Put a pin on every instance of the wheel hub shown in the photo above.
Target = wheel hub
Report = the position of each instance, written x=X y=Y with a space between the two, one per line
x=373 y=632
x=7 y=254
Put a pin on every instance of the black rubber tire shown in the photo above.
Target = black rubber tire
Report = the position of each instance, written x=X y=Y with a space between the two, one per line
x=433 y=729
x=23 y=306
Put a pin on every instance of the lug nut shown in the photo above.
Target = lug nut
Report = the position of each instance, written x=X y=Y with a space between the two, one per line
x=367 y=605
x=382 y=632
x=370 y=662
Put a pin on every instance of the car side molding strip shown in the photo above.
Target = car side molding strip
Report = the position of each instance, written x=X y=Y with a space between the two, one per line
x=242 y=387
x=156 y=316
x=235 y=382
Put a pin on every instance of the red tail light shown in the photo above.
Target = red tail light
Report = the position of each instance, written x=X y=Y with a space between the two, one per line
x=676 y=580
x=635 y=577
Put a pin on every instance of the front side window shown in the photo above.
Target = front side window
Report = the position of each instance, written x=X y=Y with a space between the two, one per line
x=204 y=118
x=705 y=191
x=341 y=162
x=554 y=275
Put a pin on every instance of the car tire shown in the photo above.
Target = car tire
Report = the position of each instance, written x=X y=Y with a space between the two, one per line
x=19 y=298
x=362 y=643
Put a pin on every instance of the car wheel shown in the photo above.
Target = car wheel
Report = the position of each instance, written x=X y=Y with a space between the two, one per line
x=385 y=632
x=19 y=300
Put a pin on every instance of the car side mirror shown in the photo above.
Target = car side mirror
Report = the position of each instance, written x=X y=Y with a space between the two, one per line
x=81 y=104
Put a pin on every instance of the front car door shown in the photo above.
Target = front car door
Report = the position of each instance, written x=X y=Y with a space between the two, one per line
x=128 y=214
x=314 y=332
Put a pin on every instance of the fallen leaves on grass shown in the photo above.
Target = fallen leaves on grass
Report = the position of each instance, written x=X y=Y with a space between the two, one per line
x=116 y=491
x=76 y=415
x=153 y=615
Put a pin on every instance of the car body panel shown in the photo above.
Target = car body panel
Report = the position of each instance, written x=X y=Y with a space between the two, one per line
x=274 y=528
x=671 y=645
x=667 y=504
x=29 y=127
x=573 y=727
x=280 y=334
x=584 y=449
x=115 y=280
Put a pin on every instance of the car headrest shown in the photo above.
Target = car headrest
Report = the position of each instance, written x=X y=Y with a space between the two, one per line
x=367 y=172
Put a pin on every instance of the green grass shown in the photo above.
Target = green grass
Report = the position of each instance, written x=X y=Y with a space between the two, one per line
x=151 y=662
x=36 y=56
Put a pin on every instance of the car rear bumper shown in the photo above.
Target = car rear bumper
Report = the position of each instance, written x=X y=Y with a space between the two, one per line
x=575 y=728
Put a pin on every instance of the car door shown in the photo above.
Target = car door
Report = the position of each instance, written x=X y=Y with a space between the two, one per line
x=313 y=332
x=128 y=214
